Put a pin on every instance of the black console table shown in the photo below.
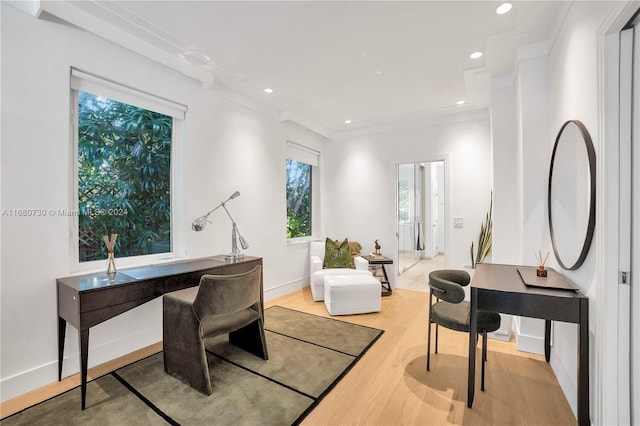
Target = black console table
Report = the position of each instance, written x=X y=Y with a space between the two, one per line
x=88 y=300
x=500 y=288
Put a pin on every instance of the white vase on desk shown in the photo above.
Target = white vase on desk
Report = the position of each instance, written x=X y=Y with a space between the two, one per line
x=504 y=332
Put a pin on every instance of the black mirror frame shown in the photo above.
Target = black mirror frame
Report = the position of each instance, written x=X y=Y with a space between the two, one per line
x=591 y=154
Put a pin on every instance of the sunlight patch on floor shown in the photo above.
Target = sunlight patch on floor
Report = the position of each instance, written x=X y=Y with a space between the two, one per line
x=417 y=276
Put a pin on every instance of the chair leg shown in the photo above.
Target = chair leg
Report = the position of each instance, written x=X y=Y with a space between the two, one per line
x=251 y=338
x=436 y=337
x=484 y=356
x=429 y=345
x=183 y=349
x=429 y=330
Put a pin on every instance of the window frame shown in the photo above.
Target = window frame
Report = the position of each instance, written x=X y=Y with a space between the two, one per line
x=178 y=136
x=304 y=154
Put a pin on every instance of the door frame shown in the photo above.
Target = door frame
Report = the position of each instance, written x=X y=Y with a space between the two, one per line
x=607 y=383
x=445 y=158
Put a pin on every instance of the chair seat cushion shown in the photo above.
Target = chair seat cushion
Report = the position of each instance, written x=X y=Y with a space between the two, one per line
x=456 y=317
x=351 y=294
x=318 y=277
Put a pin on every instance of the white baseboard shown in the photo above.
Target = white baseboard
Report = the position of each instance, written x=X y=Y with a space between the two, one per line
x=286 y=288
x=11 y=387
x=528 y=343
x=504 y=332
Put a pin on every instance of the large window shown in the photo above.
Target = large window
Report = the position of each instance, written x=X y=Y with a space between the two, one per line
x=300 y=164
x=124 y=173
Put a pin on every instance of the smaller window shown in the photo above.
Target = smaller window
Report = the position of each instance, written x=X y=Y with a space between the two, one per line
x=298 y=199
x=300 y=193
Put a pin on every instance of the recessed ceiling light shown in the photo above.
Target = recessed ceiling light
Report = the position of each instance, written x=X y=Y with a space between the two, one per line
x=347 y=121
x=460 y=103
x=268 y=90
x=503 y=8
x=475 y=55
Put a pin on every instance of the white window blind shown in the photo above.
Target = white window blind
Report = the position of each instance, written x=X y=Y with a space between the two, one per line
x=302 y=154
x=90 y=83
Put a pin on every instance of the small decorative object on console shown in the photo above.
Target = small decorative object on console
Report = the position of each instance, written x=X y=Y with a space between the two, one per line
x=110 y=243
x=377 y=249
x=541 y=271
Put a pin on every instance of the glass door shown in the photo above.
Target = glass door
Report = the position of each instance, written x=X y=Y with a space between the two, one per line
x=410 y=231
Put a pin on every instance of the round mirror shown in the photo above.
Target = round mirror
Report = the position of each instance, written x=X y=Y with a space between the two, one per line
x=572 y=194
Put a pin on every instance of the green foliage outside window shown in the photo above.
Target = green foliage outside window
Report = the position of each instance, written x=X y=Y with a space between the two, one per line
x=298 y=199
x=124 y=178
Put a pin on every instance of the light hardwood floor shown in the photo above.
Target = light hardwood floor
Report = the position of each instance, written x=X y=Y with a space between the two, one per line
x=390 y=385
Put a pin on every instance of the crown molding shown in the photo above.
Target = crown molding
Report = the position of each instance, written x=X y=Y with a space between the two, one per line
x=73 y=14
x=448 y=115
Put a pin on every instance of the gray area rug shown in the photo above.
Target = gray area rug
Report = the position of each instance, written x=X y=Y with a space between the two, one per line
x=308 y=355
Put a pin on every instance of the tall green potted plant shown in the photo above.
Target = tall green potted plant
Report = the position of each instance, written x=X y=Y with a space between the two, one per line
x=484 y=239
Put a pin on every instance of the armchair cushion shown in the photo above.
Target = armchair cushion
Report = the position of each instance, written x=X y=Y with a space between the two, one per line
x=337 y=255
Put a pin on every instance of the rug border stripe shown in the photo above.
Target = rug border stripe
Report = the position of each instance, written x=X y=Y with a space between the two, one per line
x=144 y=399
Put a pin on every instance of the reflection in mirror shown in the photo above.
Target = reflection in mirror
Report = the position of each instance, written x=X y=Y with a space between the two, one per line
x=571 y=201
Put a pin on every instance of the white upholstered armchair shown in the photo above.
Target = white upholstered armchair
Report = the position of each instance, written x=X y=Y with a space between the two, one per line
x=317 y=273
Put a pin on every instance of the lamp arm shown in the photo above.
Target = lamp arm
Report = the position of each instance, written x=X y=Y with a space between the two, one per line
x=243 y=242
x=220 y=205
x=228 y=214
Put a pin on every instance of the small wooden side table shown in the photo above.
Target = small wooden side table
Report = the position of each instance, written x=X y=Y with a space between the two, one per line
x=384 y=278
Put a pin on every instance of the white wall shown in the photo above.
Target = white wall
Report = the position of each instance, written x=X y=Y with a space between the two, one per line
x=506 y=150
x=360 y=183
x=574 y=95
x=550 y=90
x=228 y=148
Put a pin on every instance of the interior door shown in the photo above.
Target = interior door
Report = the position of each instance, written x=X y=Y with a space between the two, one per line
x=629 y=229
x=410 y=231
x=635 y=227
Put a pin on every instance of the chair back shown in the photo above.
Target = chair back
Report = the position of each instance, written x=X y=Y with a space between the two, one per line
x=317 y=248
x=222 y=294
x=447 y=284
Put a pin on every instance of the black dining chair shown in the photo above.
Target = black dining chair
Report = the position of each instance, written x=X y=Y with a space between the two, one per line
x=452 y=311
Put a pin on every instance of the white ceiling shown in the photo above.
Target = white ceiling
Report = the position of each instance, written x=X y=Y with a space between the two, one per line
x=328 y=61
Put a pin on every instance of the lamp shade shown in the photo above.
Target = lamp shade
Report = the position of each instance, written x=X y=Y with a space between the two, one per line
x=199 y=224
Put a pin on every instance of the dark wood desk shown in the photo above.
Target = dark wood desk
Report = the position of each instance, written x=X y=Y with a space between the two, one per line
x=499 y=288
x=88 y=300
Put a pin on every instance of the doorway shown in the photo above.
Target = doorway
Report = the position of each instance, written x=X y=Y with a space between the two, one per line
x=421 y=222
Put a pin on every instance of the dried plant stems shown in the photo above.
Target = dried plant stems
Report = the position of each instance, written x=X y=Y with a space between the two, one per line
x=110 y=243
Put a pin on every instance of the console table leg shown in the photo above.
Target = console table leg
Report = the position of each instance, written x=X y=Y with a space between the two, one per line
x=84 y=356
x=547 y=340
x=583 y=364
x=473 y=329
x=62 y=328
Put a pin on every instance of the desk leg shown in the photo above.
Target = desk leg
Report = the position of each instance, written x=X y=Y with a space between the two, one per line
x=62 y=328
x=473 y=326
x=83 y=337
x=547 y=340
x=583 y=364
